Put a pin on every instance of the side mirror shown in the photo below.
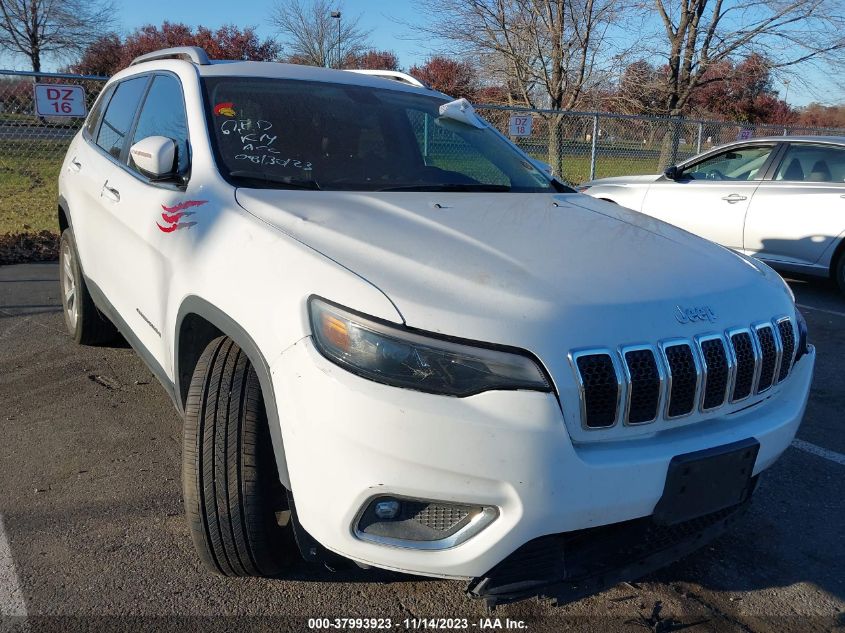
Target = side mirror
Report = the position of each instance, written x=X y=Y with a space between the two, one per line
x=672 y=173
x=155 y=156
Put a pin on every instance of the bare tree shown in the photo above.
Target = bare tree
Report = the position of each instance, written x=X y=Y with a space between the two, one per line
x=52 y=28
x=319 y=32
x=698 y=34
x=550 y=52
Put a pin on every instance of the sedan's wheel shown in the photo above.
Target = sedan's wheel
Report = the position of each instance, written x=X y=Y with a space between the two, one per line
x=229 y=478
x=840 y=272
x=84 y=322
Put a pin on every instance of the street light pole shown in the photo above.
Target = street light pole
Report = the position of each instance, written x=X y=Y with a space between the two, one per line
x=786 y=95
x=336 y=16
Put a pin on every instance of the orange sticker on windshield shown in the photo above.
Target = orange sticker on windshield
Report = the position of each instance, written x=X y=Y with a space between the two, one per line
x=226 y=108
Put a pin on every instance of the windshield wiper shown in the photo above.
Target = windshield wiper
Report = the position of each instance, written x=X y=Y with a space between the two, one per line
x=448 y=187
x=262 y=180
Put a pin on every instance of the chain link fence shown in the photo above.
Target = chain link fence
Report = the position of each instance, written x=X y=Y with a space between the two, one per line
x=578 y=146
x=32 y=148
x=581 y=146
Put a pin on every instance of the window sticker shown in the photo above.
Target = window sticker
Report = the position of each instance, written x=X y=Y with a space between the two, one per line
x=225 y=109
x=173 y=216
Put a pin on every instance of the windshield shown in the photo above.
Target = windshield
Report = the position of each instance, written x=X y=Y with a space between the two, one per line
x=280 y=133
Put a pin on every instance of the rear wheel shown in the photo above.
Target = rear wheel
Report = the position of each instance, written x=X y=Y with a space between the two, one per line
x=229 y=478
x=84 y=322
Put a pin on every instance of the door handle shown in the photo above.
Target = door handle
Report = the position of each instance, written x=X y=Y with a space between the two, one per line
x=74 y=165
x=734 y=197
x=110 y=192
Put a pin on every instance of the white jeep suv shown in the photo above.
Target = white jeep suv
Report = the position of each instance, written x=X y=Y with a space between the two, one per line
x=395 y=338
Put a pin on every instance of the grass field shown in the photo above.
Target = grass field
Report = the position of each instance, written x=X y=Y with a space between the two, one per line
x=28 y=181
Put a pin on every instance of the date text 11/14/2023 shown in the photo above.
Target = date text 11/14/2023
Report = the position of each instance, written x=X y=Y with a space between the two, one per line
x=418 y=624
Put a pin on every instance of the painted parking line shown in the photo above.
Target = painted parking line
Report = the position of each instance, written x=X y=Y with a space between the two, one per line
x=832 y=456
x=825 y=310
x=11 y=596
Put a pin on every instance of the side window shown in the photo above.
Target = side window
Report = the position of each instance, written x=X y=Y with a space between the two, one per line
x=93 y=121
x=163 y=114
x=119 y=115
x=741 y=163
x=812 y=163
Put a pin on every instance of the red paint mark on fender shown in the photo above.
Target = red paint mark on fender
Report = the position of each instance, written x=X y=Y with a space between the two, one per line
x=171 y=219
x=184 y=205
x=172 y=215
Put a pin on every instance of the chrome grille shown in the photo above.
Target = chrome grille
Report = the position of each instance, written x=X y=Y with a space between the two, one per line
x=600 y=387
x=678 y=377
x=716 y=369
x=787 y=339
x=684 y=374
x=644 y=381
x=769 y=351
x=746 y=361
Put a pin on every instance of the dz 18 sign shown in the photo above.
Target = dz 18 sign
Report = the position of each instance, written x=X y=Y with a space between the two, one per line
x=520 y=126
x=59 y=100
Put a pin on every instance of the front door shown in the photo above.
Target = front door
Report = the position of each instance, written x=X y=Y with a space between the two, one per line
x=149 y=216
x=711 y=196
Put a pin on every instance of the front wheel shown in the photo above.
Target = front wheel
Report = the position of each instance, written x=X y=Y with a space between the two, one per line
x=229 y=478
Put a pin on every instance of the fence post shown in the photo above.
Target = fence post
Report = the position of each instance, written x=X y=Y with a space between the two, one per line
x=785 y=132
x=700 y=134
x=593 y=147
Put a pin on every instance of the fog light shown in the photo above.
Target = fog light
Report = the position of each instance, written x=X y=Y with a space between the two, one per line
x=387 y=509
x=420 y=523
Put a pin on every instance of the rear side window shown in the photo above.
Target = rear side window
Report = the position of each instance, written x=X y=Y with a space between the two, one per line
x=119 y=115
x=812 y=163
x=97 y=112
x=163 y=114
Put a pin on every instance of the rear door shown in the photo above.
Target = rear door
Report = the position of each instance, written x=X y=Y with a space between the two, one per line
x=711 y=196
x=795 y=216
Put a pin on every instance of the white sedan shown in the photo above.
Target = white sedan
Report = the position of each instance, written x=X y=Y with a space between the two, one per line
x=781 y=199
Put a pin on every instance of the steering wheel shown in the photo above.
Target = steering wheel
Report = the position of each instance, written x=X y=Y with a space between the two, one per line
x=715 y=174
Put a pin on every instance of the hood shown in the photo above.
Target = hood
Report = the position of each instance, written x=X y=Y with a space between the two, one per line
x=622 y=180
x=518 y=268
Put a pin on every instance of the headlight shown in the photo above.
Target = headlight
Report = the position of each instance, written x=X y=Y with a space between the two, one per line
x=403 y=358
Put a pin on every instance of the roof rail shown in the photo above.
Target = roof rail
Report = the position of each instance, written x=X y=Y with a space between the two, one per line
x=189 y=53
x=395 y=75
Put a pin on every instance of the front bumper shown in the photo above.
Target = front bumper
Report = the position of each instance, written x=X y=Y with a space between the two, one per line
x=348 y=439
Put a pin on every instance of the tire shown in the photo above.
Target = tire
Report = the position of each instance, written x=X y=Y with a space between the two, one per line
x=229 y=478
x=839 y=271
x=84 y=322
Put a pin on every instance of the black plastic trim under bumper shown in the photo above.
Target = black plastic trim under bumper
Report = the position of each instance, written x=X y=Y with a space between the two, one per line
x=569 y=566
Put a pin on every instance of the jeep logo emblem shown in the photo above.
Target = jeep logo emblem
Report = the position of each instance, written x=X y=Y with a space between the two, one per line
x=699 y=313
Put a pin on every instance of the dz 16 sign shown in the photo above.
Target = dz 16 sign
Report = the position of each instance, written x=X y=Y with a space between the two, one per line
x=59 y=100
x=520 y=126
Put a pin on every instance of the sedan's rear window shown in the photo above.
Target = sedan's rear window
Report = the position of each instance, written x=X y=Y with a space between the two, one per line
x=316 y=135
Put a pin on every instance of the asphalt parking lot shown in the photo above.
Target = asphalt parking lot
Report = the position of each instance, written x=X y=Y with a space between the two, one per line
x=92 y=534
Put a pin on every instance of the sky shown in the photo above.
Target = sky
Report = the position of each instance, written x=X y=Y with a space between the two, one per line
x=386 y=19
